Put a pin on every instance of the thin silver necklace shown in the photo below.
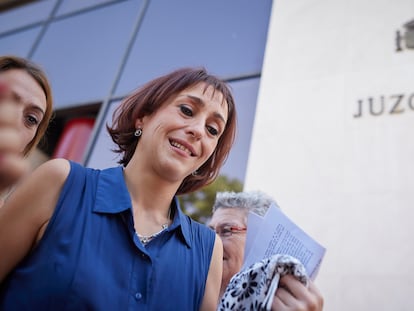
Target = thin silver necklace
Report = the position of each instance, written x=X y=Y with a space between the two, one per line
x=145 y=239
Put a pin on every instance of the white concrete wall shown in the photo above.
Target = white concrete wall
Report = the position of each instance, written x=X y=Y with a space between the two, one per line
x=348 y=181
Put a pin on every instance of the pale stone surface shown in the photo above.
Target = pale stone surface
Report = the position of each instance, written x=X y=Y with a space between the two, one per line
x=346 y=179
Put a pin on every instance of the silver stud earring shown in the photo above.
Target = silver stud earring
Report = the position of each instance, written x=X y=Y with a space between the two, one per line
x=138 y=132
x=195 y=173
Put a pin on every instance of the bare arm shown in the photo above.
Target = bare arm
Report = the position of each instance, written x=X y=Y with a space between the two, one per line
x=25 y=212
x=293 y=295
x=211 y=294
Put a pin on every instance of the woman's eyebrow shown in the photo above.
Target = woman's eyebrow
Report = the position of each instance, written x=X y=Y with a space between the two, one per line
x=201 y=103
x=31 y=105
x=36 y=108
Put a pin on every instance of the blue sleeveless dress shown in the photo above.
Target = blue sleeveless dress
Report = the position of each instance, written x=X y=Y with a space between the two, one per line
x=91 y=259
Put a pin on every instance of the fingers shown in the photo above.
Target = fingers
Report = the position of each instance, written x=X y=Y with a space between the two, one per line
x=316 y=294
x=9 y=140
x=9 y=113
x=9 y=132
x=293 y=295
x=12 y=164
x=284 y=300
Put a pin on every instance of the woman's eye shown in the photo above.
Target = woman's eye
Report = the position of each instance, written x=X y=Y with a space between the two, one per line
x=32 y=120
x=187 y=111
x=225 y=231
x=213 y=131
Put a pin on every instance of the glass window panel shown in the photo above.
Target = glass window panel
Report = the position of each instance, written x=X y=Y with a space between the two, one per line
x=228 y=37
x=25 y=15
x=70 y=6
x=101 y=155
x=19 y=43
x=82 y=53
x=245 y=93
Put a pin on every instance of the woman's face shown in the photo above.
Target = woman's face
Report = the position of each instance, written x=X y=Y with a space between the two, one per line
x=179 y=137
x=233 y=245
x=23 y=94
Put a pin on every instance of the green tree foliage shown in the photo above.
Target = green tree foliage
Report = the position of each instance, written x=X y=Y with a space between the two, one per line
x=198 y=204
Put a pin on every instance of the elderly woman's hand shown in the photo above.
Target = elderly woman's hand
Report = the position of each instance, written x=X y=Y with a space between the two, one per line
x=293 y=295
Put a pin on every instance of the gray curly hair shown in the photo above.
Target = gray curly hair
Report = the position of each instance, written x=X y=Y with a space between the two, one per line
x=249 y=201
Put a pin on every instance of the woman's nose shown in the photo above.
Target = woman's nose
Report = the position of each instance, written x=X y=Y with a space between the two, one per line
x=195 y=131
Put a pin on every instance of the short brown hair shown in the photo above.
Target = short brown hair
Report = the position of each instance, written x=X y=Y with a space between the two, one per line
x=10 y=62
x=150 y=97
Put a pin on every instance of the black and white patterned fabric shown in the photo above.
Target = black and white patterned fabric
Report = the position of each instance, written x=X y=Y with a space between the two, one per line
x=254 y=288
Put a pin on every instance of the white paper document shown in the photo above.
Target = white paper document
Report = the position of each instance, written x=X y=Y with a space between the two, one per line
x=275 y=233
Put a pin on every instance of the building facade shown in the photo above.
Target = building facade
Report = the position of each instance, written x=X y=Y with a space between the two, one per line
x=337 y=95
x=97 y=51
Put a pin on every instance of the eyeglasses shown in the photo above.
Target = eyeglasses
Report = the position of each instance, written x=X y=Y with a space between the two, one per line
x=226 y=231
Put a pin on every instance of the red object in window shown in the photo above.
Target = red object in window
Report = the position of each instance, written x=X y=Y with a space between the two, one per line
x=74 y=139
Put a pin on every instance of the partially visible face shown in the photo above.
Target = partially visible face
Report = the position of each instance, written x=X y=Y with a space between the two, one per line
x=233 y=246
x=179 y=137
x=21 y=91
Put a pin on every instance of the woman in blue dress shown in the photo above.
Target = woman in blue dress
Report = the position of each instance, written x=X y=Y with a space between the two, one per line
x=75 y=238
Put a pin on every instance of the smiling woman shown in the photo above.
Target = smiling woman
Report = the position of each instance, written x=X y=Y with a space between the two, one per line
x=156 y=93
x=120 y=232
x=25 y=111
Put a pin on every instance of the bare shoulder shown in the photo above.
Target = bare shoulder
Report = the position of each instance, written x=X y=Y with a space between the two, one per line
x=37 y=194
x=55 y=170
x=46 y=182
x=28 y=210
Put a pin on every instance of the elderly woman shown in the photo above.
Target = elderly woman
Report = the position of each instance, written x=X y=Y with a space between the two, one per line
x=229 y=220
x=25 y=112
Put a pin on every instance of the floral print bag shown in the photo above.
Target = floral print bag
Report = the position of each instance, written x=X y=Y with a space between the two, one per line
x=254 y=288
